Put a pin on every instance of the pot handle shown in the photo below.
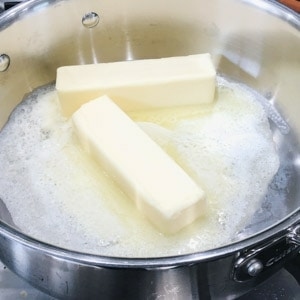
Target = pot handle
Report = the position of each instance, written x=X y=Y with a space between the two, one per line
x=293 y=266
x=263 y=260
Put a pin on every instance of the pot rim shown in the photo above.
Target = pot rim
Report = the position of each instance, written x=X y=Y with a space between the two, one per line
x=277 y=9
x=273 y=7
x=277 y=229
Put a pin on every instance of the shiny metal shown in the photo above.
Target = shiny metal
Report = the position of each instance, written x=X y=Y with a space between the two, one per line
x=70 y=275
x=4 y=62
x=264 y=257
x=253 y=42
x=5 y=215
x=90 y=20
x=294 y=235
x=254 y=267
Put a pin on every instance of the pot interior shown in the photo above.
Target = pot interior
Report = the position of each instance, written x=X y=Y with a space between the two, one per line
x=254 y=43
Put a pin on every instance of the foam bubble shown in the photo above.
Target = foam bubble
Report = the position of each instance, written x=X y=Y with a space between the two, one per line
x=231 y=154
x=58 y=194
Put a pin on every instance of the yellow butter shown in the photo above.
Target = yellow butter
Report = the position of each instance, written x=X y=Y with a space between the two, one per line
x=160 y=188
x=139 y=84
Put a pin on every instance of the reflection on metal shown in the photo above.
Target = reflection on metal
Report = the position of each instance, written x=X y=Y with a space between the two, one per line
x=4 y=62
x=254 y=267
x=294 y=236
x=90 y=20
x=270 y=255
x=247 y=34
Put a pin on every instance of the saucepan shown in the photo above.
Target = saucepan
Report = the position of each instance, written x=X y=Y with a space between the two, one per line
x=255 y=43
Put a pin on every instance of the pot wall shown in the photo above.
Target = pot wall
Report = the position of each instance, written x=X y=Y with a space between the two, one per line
x=246 y=43
x=258 y=47
x=71 y=275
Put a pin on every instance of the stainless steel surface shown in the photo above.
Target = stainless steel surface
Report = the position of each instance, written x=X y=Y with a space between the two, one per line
x=254 y=267
x=281 y=286
x=14 y=288
x=260 y=259
x=294 y=235
x=253 y=42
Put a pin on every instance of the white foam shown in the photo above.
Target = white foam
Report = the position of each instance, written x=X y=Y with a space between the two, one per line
x=231 y=154
x=56 y=193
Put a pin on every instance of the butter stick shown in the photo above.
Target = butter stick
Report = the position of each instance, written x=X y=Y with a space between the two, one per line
x=139 y=84
x=160 y=188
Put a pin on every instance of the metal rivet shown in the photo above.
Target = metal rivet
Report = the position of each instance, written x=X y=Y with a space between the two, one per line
x=90 y=20
x=254 y=267
x=4 y=62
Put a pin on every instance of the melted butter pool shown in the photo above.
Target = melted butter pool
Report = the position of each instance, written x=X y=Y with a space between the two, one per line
x=58 y=194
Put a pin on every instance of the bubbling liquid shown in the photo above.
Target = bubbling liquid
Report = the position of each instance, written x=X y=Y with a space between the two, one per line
x=56 y=193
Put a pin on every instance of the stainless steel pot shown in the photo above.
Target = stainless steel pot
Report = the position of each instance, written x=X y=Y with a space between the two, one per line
x=253 y=42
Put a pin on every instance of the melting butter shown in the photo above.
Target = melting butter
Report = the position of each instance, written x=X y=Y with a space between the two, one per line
x=56 y=193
